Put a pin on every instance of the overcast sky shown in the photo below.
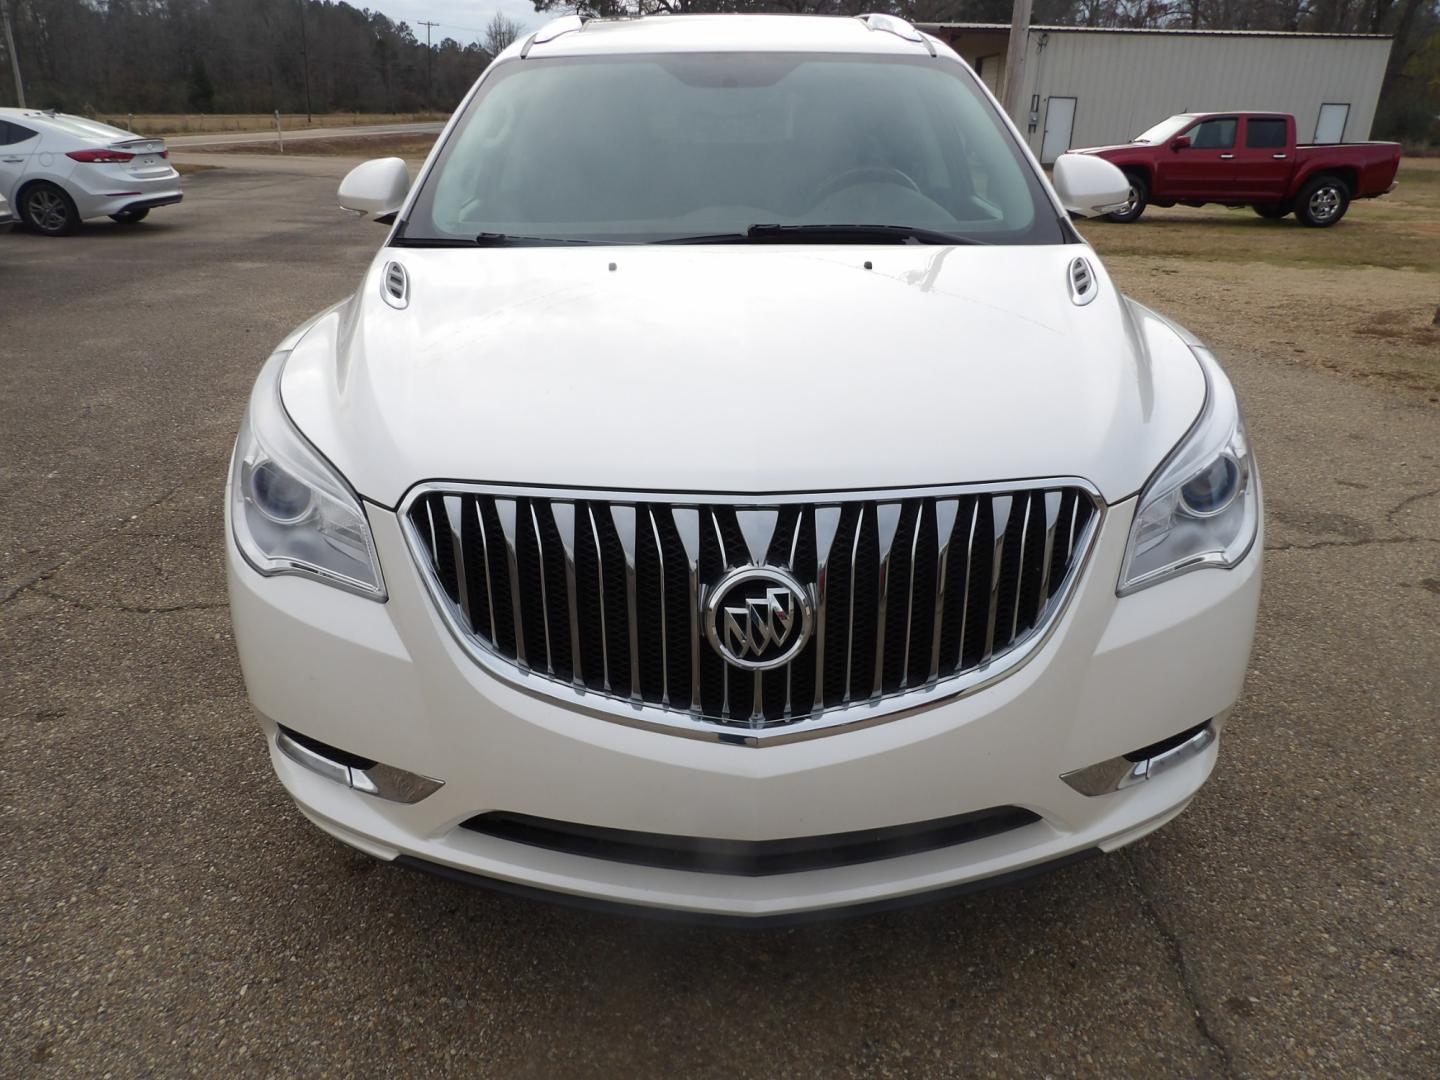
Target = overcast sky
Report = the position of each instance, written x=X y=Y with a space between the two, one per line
x=464 y=20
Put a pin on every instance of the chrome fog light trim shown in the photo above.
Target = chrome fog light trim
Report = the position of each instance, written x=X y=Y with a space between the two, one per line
x=383 y=781
x=1118 y=773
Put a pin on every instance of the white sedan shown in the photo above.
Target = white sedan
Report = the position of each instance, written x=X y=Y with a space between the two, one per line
x=58 y=170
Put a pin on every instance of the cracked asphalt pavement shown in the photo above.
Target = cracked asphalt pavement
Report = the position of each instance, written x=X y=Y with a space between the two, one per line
x=166 y=911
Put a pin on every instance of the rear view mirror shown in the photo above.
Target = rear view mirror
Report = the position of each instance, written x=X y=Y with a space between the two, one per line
x=1090 y=186
x=376 y=188
x=1182 y=142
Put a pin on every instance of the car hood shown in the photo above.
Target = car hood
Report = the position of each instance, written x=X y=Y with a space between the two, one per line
x=740 y=369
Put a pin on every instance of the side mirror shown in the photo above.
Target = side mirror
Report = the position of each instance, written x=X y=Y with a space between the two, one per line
x=376 y=188
x=1182 y=142
x=1090 y=186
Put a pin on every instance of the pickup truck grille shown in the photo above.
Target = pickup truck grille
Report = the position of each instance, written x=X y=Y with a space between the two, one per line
x=604 y=596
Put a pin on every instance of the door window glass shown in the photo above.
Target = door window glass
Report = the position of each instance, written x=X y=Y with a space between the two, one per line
x=10 y=134
x=1267 y=133
x=1213 y=134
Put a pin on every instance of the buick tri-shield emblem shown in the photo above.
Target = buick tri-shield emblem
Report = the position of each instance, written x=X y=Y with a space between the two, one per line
x=758 y=617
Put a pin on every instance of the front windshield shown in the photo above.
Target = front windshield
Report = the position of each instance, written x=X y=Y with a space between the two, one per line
x=669 y=147
x=1163 y=130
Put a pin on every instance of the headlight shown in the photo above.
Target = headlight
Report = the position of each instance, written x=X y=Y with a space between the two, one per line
x=1202 y=506
x=291 y=512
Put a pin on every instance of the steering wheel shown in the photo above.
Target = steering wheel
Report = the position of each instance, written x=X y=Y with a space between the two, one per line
x=865 y=174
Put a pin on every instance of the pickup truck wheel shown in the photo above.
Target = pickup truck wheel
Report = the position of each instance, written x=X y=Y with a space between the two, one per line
x=1271 y=210
x=1135 y=204
x=1322 y=202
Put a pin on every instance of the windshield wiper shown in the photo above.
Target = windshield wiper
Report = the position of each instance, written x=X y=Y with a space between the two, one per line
x=488 y=239
x=495 y=239
x=828 y=234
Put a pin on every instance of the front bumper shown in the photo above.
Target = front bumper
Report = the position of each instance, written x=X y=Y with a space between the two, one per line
x=387 y=682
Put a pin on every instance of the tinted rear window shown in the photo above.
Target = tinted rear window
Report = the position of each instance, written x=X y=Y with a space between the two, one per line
x=10 y=134
x=1265 y=134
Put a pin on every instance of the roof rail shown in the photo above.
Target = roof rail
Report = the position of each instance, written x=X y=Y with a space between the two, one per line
x=566 y=24
x=901 y=28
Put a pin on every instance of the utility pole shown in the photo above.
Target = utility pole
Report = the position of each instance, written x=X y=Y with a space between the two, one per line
x=305 y=59
x=14 y=58
x=1013 y=97
x=429 y=59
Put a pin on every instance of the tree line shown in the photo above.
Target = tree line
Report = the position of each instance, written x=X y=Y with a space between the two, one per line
x=326 y=55
x=236 y=56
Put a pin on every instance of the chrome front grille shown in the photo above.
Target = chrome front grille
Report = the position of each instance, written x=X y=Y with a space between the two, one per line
x=602 y=596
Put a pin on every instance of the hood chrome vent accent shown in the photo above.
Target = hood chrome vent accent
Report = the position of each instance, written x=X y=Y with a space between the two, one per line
x=1083 y=285
x=395 y=285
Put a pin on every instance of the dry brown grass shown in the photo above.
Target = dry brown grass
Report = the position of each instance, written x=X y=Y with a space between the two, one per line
x=1358 y=298
x=200 y=123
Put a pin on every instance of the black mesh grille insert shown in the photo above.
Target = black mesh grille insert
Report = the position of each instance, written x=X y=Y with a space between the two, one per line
x=750 y=858
x=904 y=591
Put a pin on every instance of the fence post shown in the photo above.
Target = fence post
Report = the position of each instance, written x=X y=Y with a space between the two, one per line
x=279 y=135
x=130 y=122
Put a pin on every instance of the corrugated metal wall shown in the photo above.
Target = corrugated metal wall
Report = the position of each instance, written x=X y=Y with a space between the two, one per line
x=1123 y=83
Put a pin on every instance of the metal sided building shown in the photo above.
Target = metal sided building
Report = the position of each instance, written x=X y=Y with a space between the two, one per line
x=1089 y=87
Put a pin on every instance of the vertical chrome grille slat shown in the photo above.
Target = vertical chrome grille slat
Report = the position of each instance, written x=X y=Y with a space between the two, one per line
x=790 y=668
x=850 y=623
x=623 y=518
x=506 y=510
x=454 y=515
x=965 y=585
x=987 y=572
x=565 y=525
x=1024 y=536
x=687 y=525
x=724 y=562
x=1052 y=518
x=946 y=511
x=827 y=524
x=600 y=572
x=485 y=560
x=887 y=520
x=1000 y=509
x=664 y=632
x=544 y=598
x=910 y=595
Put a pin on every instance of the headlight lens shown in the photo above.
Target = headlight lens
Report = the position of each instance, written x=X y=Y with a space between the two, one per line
x=1202 y=507
x=291 y=512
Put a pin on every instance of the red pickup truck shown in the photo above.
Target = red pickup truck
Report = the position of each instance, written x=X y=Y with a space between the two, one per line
x=1248 y=158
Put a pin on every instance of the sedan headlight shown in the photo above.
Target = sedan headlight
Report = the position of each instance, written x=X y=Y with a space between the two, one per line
x=1202 y=506
x=291 y=512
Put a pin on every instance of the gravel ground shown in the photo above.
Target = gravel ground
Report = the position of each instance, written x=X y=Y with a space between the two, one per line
x=166 y=911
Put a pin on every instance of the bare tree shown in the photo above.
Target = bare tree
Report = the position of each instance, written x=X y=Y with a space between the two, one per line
x=499 y=33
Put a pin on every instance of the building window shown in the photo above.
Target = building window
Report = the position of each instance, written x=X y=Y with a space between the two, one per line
x=1265 y=133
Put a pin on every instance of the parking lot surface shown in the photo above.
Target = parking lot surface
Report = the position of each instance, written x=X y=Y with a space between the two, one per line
x=166 y=911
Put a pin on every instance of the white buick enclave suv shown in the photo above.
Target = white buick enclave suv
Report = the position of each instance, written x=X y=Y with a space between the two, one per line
x=736 y=490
